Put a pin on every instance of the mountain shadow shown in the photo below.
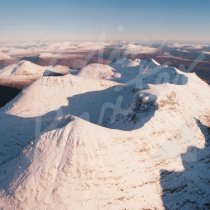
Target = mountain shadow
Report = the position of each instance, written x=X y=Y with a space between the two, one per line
x=189 y=189
x=7 y=94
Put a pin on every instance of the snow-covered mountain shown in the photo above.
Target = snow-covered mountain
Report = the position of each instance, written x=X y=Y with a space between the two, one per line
x=24 y=68
x=99 y=71
x=23 y=73
x=88 y=142
x=137 y=48
x=29 y=69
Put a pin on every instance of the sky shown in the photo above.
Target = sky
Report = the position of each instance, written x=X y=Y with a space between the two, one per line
x=57 y=20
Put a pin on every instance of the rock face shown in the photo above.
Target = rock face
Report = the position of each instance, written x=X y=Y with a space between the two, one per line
x=74 y=142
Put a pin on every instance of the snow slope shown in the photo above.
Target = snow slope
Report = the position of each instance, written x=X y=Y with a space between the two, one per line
x=27 y=68
x=147 y=71
x=99 y=71
x=23 y=73
x=81 y=143
x=125 y=63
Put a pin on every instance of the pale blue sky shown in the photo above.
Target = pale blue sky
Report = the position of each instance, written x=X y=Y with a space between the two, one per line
x=27 y=20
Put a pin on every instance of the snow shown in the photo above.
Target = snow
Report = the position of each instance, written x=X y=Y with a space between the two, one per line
x=148 y=71
x=136 y=48
x=50 y=49
x=206 y=52
x=85 y=142
x=125 y=62
x=49 y=55
x=188 y=46
x=67 y=49
x=26 y=70
x=99 y=71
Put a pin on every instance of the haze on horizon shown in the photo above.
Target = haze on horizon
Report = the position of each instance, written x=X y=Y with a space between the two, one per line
x=78 y=20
